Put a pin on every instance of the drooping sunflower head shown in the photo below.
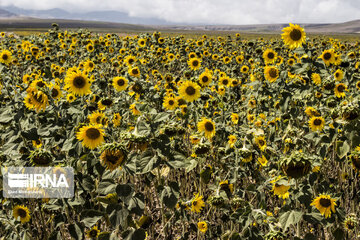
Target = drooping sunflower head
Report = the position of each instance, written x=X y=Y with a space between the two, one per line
x=350 y=222
x=189 y=91
x=325 y=204
x=354 y=157
x=280 y=187
x=297 y=165
x=207 y=126
x=91 y=136
x=111 y=157
x=317 y=123
x=77 y=83
x=40 y=158
x=294 y=36
x=22 y=213
x=202 y=226
x=271 y=73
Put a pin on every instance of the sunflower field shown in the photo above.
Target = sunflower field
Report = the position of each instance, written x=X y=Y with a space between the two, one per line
x=170 y=137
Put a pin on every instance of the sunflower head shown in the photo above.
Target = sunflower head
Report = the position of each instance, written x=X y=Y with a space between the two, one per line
x=294 y=36
x=325 y=204
x=271 y=73
x=40 y=157
x=297 y=164
x=112 y=156
x=197 y=203
x=91 y=135
x=189 y=91
x=317 y=123
x=77 y=83
x=351 y=222
x=22 y=213
x=202 y=226
x=207 y=126
x=93 y=233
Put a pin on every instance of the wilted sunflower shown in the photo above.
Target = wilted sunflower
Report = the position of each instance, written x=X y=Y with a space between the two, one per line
x=91 y=136
x=197 y=203
x=202 y=226
x=328 y=56
x=340 y=89
x=120 y=83
x=205 y=78
x=294 y=36
x=189 y=91
x=271 y=73
x=93 y=233
x=22 y=212
x=77 y=83
x=316 y=123
x=339 y=75
x=207 y=126
x=5 y=56
x=351 y=222
x=315 y=77
x=194 y=63
x=39 y=100
x=269 y=56
x=325 y=204
x=112 y=158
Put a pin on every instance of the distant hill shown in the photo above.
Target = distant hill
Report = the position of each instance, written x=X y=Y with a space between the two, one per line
x=106 y=16
x=6 y=14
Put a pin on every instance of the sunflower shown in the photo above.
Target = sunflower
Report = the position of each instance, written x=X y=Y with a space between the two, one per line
x=93 y=233
x=262 y=160
x=340 y=89
x=325 y=204
x=22 y=212
x=116 y=119
x=207 y=126
x=205 y=78
x=91 y=136
x=89 y=66
x=189 y=91
x=142 y=42
x=269 y=56
x=37 y=143
x=271 y=73
x=5 y=56
x=310 y=111
x=294 y=36
x=39 y=100
x=77 y=83
x=194 y=63
x=56 y=93
x=134 y=110
x=90 y=47
x=224 y=185
x=134 y=72
x=232 y=140
x=291 y=61
x=280 y=187
x=70 y=98
x=316 y=123
x=112 y=158
x=261 y=142
x=350 y=222
x=339 y=75
x=358 y=85
x=224 y=81
x=170 y=103
x=328 y=56
x=120 y=83
x=96 y=118
x=130 y=60
x=197 y=203
x=202 y=226
x=315 y=77
x=244 y=69
x=235 y=118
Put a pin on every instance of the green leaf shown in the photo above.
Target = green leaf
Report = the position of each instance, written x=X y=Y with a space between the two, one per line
x=290 y=218
x=339 y=234
x=75 y=231
x=106 y=187
x=342 y=148
x=124 y=190
x=90 y=217
x=146 y=162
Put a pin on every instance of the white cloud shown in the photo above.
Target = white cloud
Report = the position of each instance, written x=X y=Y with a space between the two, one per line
x=213 y=11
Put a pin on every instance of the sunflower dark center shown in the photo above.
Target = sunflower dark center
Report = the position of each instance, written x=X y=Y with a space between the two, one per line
x=195 y=63
x=54 y=93
x=93 y=233
x=261 y=142
x=337 y=75
x=112 y=158
x=205 y=79
x=324 y=202
x=327 y=56
x=107 y=102
x=21 y=213
x=194 y=203
x=38 y=98
x=190 y=90
x=225 y=82
x=273 y=73
x=131 y=61
x=356 y=162
x=135 y=71
x=271 y=55
x=93 y=133
x=98 y=119
x=341 y=88
x=121 y=82
x=79 y=82
x=5 y=57
x=209 y=126
x=91 y=65
x=171 y=102
x=317 y=122
x=295 y=34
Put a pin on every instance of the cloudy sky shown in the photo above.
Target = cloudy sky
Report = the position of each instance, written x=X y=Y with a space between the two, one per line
x=213 y=11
